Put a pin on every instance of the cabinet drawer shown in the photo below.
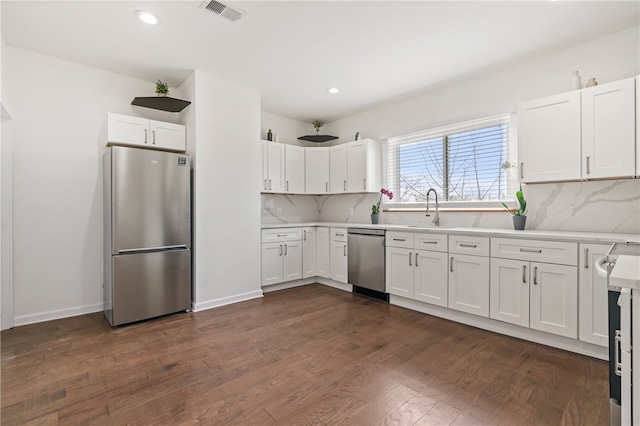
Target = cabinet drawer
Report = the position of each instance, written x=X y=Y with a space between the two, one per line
x=561 y=253
x=339 y=234
x=465 y=244
x=433 y=242
x=399 y=239
x=281 y=234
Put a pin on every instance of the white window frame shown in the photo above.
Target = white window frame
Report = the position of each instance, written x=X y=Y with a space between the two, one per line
x=510 y=164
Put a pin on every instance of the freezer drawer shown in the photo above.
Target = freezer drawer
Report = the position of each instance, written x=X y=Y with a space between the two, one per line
x=147 y=285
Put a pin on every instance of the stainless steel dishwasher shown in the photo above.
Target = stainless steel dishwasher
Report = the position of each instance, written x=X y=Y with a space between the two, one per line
x=366 y=271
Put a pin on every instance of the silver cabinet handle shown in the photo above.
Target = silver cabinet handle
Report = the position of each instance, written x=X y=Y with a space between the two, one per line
x=282 y=235
x=586 y=258
x=410 y=254
x=145 y=135
x=339 y=235
x=265 y=184
x=617 y=364
x=285 y=249
x=345 y=185
x=326 y=187
x=304 y=233
x=153 y=132
x=364 y=183
x=521 y=170
x=588 y=168
x=524 y=274
x=280 y=249
x=468 y=245
x=451 y=264
x=526 y=250
x=429 y=242
x=399 y=239
x=416 y=258
x=287 y=186
x=345 y=250
x=535 y=275
x=269 y=184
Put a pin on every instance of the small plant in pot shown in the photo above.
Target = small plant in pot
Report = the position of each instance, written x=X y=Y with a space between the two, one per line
x=519 y=214
x=162 y=88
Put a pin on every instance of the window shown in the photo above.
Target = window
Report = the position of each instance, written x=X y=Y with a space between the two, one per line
x=468 y=164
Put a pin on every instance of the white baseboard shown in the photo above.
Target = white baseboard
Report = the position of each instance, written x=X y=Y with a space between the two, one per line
x=289 y=284
x=58 y=314
x=215 y=303
x=560 y=342
x=335 y=284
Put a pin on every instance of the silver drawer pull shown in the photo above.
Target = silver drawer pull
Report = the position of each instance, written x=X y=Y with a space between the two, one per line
x=282 y=235
x=399 y=239
x=339 y=235
x=429 y=242
x=469 y=245
x=526 y=250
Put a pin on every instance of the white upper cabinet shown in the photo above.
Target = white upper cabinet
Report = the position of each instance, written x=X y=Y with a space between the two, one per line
x=608 y=130
x=273 y=169
x=141 y=132
x=317 y=170
x=549 y=138
x=363 y=166
x=294 y=169
x=338 y=169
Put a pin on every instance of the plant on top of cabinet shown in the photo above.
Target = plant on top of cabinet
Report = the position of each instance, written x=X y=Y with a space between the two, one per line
x=162 y=88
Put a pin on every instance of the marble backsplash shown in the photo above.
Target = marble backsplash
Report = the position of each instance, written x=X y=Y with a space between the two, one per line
x=604 y=206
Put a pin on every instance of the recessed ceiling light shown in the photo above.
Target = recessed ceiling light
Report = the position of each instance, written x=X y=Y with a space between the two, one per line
x=333 y=90
x=146 y=17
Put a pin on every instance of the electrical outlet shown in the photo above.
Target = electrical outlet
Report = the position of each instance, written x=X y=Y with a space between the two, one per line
x=279 y=211
x=350 y=211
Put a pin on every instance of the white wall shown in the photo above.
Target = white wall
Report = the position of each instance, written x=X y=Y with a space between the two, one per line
x=227 y=191
x=59 y=113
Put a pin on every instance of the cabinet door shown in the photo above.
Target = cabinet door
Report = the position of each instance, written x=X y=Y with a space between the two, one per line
x=593 y=310
x=265 y=166
x=554 y=299
x=399 y=271
x=339 y=261
x=431 y=277
x=469 y=284
x=272 y=254
x=356 y=166
x=275 y=166
x=338 y=169
x=292 y=260
x=509 y=291
x=294 y=169
x=549 y=138
x=309 y=252
x=317 y=170
x=168 y=136
x=323 y=250
x=608 y=130
x=126 y=130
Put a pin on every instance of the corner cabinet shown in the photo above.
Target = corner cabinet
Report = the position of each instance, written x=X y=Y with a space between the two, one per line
x=144 y=133
x=323 y=249
x=309 y=252
x=316 y=170
x=355 y=167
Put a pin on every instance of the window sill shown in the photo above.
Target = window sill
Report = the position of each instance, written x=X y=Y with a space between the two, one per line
x=447 y=210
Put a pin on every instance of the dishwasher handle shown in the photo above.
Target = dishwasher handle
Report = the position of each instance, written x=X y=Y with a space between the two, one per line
x=366 y=231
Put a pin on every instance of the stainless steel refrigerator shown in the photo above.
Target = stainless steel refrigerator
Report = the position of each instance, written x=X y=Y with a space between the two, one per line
x=147 y=234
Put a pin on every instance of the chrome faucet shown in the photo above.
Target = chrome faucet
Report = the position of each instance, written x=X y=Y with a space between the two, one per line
x=436 y=218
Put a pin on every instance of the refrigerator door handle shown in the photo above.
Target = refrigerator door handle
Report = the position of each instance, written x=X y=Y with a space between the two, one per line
x=175 y=247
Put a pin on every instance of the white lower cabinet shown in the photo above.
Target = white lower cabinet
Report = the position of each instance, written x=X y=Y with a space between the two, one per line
x=281 y=255
x=593 y=296
x=539 y=295
x=469 y=284
x=323 y=250
x=338 y=257
x=554 y=299
x=309 y=252
x=414 y=273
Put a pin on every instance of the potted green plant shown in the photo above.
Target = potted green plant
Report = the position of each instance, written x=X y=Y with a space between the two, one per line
x=519 y=213
x=162 y=88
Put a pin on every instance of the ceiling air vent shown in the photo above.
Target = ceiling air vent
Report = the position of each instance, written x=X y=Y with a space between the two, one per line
x=221 y=9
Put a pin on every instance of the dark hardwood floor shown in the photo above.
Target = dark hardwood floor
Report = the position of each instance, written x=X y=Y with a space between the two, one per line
x=310 y=355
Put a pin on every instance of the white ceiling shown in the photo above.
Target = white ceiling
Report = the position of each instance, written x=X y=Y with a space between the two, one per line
x=294 y=50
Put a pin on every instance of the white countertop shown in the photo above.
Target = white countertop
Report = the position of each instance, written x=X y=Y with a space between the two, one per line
x=596 y=237
x=626 y=272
